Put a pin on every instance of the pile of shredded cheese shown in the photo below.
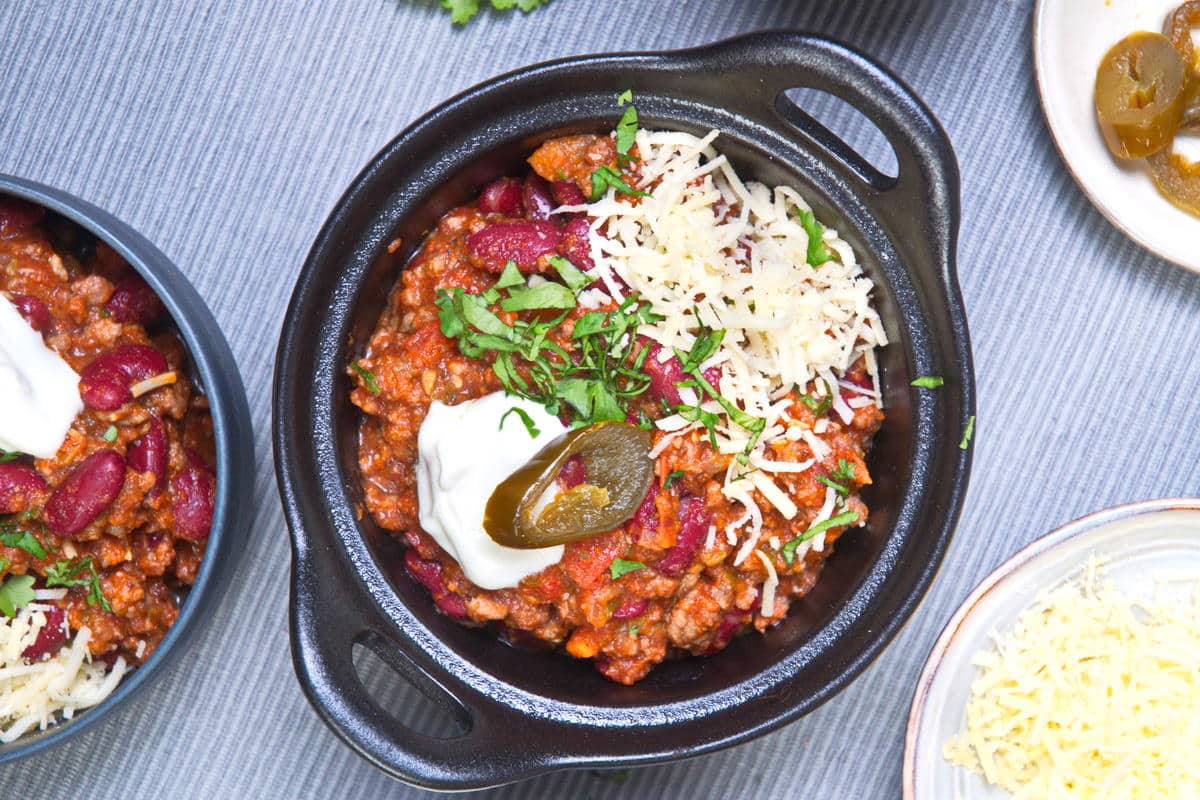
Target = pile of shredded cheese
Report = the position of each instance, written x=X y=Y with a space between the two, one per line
x=707 y=248
x=37 y=693
x=1093 y=694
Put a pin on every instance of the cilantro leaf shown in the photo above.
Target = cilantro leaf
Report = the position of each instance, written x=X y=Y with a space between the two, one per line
x=81 y=572
x=510 y=276
x=929 y=382
x=368 y=380
x=620 y=566
x=530 y=427
x=571 y=275
x=15 y=592
x=844 y=471
x=968 y=433
x=544 y=295
x=23 y=540
x=606 y=177
x=463 y=11
x=627 y=130
x=818 y=253
x=673 y=476
x=9 y=455
x=789 y=549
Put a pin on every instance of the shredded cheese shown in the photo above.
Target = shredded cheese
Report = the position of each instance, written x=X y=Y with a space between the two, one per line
x=36 y=694
x=706 y=248
x=1092 y=694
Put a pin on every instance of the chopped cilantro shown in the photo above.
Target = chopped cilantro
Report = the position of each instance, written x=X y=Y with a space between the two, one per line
x=368 y=377
x=9 y=455
x=110 y=435
x=832 y=484
x=15 y=592
x=82 y=572
x=620 y=566
x=672 y=476
x=819 y=407
x=625 y=97
x=929 y=382
x=789 y=549
x=571 y=275
x=606 y=177
x=627 y=130
x=844 y=471
x=463 y=11
x=4 y=563
x=530 y=427
x=533 y=298
x=10 y=536
x=968 y=433
x=818 y=253
x=634 y=628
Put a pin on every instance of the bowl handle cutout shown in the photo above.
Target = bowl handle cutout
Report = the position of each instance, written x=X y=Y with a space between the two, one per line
x=334 y=614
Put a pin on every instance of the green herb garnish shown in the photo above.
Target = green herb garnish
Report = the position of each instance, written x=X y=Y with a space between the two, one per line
x=841 y=489
x=625 y=97
x=620 y=566
x=634 y=628
x=707 y=342
x=968 y=433
x=789 y=549
x=530 y=427
x=367 y=376
x=627 y=130
x=110 y=435
x=818 y=253
x=462 y=11
x=81 y=572
x=818 y=407
x=844 y=471
x=930 y=382
x=672 y=476
x=15 y=593
x=4 y=563
x=606 y=177
x=10 y=536
x=9 y=455
x=571 y=275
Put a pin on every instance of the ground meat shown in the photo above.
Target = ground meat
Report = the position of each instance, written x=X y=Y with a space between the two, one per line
x=690 y=597
x=65 y=287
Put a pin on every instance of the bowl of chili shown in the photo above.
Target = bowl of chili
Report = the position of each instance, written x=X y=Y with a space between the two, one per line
x=526 y=714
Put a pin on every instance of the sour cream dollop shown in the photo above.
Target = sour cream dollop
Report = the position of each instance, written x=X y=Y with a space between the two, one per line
x=40 y=395
x=464 y=452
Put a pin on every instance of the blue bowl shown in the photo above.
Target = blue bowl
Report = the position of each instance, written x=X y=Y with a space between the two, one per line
x=216 y=373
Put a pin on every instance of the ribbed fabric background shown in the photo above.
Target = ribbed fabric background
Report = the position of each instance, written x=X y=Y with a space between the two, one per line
x=226 y=132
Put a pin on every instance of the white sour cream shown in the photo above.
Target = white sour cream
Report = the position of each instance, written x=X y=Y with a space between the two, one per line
x=463 y=454
x=39 y=392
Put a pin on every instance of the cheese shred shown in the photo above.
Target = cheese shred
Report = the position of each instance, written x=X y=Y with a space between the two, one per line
x=1093 y=694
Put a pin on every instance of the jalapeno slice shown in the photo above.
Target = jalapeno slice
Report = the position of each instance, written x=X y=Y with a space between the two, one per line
x=1140 y=95
x=1178 y=179
x=528 y=510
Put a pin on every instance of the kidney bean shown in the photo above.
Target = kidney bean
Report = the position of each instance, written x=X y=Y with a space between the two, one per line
x=663 y=374
x=695 y=518
x=713 y=376
x=17 y=215
x=429 y=575
x=631 y=608
x=536 y=198
x=452 y=605
x=645 y=519
x=33 y=310
x=149 y=454
x=501 y=196
x=134 y=301
x=575 y=245
x=731 y=623
x=566 y=193
x=50 y=638
x=523 y=242
x=85 y=494
x=19 y=484
x=194 y=494
x=105 y=382
x=572 y=473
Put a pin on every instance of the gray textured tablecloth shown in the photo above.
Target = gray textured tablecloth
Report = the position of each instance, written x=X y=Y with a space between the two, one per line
x=226 y=132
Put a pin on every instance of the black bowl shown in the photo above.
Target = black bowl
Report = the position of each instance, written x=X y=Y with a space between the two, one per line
x=524 y=713
x=215 y=373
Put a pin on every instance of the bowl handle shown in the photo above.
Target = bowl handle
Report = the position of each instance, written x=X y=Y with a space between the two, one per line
x=331 y=612
x=926 y=188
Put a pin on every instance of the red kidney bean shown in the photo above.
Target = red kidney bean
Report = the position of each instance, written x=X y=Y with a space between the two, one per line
x=695 y=518
x=85 y=494
x=645 y=519
x=50 y=638
x=17 y=215
x=572 y=473
x=536 y=198
x=149 y=454
x=134 y=301
x=575 y=244
x=631 y=608
x=731 y=623
x=194 y=494
x=566 y=193
x=105 y=381
x=501 y=196
x=33 y=310
x=663 y=374
x=523 y=242
x=19 y=484
x=429 y=575
x=713 y=376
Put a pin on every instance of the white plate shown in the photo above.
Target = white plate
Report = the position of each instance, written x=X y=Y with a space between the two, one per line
x=1070 y=37
x=1140 y=541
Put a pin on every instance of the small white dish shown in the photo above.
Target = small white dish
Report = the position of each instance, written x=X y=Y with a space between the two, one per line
x=1139 y=542
x=1070 y=37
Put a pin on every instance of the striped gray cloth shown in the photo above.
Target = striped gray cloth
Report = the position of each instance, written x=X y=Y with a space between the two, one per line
x=226 y=132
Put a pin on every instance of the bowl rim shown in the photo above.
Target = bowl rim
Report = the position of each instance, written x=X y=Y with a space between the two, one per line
x=232 y=435
x=295 y=483
x=994 y=581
